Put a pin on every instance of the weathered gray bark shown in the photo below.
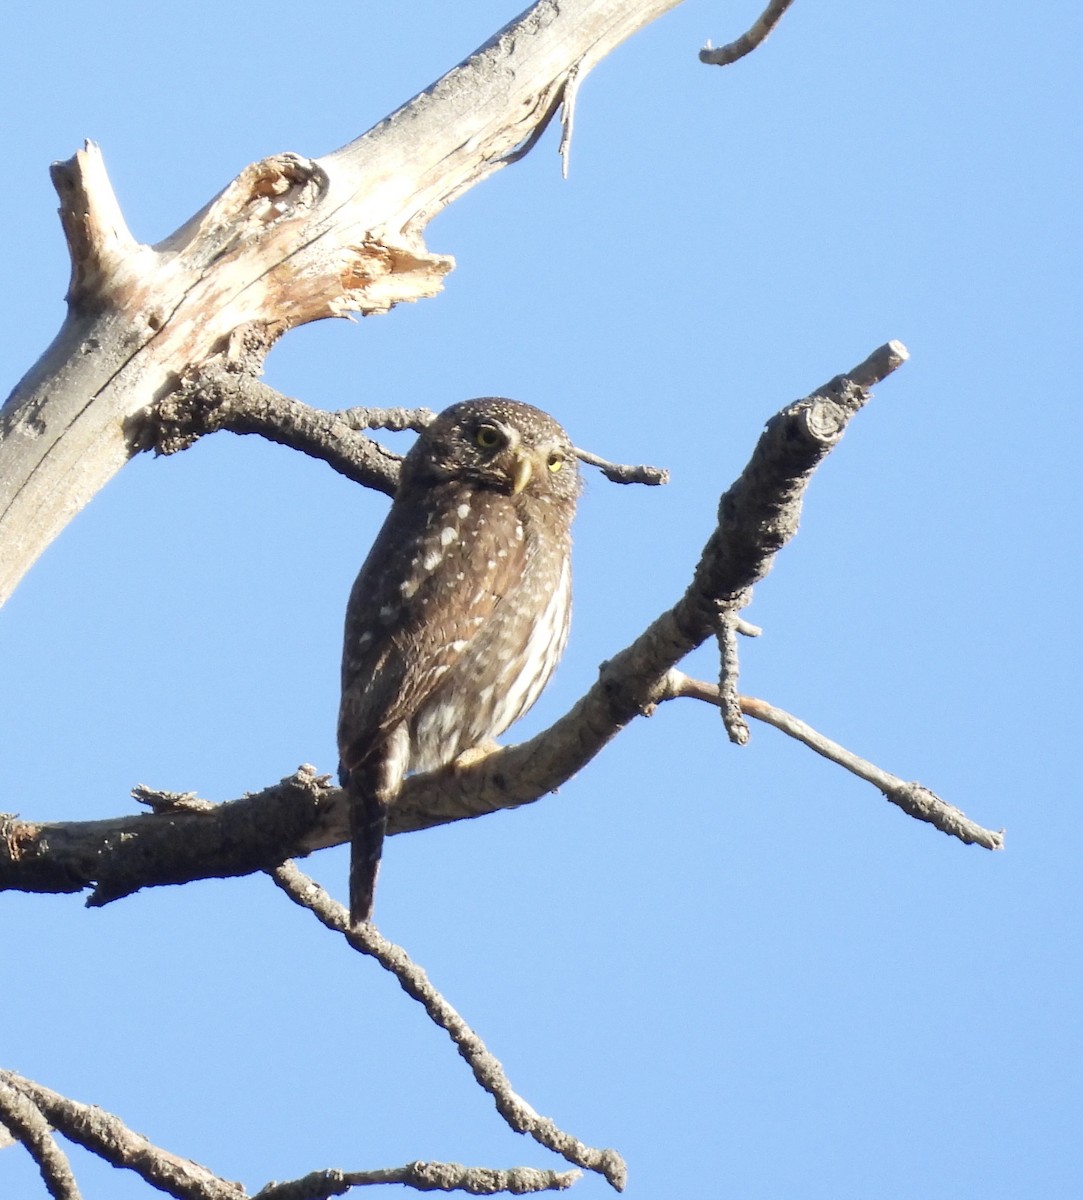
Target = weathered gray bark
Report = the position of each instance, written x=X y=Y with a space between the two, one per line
x=291 y=240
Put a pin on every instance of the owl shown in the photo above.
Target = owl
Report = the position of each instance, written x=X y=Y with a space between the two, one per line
x=460 y=612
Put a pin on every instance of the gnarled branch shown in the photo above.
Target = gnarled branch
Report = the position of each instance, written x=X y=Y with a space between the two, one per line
x=304 y=812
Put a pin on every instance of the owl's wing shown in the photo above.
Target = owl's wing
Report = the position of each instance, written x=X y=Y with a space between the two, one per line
x=431 y=580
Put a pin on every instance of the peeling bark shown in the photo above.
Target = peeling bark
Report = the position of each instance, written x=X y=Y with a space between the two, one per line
x=290 y=240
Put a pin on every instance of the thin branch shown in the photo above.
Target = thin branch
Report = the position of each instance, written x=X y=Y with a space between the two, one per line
x=395 y=420
x=109 y=1138
x=486 y=1069
x=423 y=1177
x=619 y=473
x=914 y=799
x=20 y=1116
x=749 y=40
x=729 y=669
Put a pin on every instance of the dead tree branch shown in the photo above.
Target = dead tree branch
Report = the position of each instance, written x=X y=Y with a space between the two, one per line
x=22 y=1118
x=748 y=41
x=304 y=812
x=486 y=1069
x=220 y=396
x=29 y=1109
x=620 y=473
x=110 y=1139
x=423 y=1177
x=729 y=670
x=394 y=419
x=291 y=240
x=913 y=798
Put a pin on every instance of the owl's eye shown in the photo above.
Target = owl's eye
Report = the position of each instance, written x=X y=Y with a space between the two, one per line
x=488 y=437
x=556 y=461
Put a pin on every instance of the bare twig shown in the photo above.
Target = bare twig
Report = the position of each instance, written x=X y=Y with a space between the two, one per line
x=618 y=473
x=729 y=669
x=423 y=1177
x=877 y=367
x=914 y=799
x=22 y=1117
x=749 y=40
x=487 y=1070
x=395 y=420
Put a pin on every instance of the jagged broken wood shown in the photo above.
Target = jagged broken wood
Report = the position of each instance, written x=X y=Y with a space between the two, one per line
x=292 y=239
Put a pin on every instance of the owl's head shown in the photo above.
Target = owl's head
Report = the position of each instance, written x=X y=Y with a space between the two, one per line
x=500 y=444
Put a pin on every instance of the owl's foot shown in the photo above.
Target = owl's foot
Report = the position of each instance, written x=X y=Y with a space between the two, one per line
x=475 y=754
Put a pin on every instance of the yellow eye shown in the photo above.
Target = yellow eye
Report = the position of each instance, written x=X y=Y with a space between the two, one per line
x=556 y=461
x=487 y=437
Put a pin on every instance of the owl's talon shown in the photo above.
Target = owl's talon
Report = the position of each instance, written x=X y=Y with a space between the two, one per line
x=475 y=754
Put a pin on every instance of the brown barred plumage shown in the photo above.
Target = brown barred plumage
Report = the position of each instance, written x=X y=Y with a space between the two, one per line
x=461 y=610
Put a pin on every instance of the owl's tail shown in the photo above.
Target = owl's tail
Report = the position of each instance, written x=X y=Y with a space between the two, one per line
x=368 y=824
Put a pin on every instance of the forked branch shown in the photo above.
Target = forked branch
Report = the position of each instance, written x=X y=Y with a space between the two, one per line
x=913 y=798
x=30 y=1109
x=21 y=1120
x=519 y=1115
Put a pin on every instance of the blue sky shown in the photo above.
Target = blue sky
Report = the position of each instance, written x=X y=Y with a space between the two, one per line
x=741 y=967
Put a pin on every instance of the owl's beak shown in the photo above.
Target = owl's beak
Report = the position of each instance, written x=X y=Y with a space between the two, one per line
x=522 y=472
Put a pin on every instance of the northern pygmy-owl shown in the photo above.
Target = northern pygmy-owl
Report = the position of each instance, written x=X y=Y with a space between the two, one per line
x=460 y=612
